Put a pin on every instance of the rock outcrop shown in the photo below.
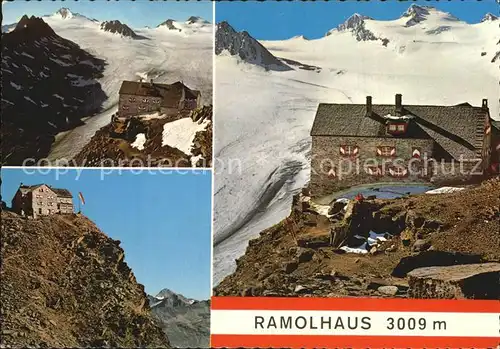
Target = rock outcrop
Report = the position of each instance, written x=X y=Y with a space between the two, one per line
x=417 y=14
x=65 y=284
x=356 y=25
x=117 y=27
x=48 y=84
x=202 y=143
x=244 y=46
x=489 y=17
x=476 y=281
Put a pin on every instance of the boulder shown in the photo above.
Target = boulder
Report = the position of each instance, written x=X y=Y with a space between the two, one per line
x=304 y=255
x=290 y=267
x=388 y=290
x=475 y=281
x=421 y=245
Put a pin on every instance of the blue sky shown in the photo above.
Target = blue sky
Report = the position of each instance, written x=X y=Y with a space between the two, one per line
x=136 y=14
x=162 y=220
x=282 y=20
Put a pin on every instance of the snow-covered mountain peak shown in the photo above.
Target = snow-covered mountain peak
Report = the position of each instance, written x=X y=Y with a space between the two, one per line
x=353 y=22
x=417 y=14
x=489 y=17
x=196 y=19
x=356 y=25
x=299 y=37
x=64 y=13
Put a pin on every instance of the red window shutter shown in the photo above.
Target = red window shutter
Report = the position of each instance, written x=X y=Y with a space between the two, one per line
x=355 y=151
x=488 y=129
x=416 y=153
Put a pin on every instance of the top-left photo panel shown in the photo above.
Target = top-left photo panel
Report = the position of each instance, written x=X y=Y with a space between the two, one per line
x=107 y=83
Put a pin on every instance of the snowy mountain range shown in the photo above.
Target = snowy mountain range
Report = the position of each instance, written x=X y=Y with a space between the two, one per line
x=265 y=117
x=163 y=55
x=185 y=321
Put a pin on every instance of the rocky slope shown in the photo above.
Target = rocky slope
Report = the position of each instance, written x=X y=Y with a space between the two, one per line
x=402 y=245
x=65 y=284
x=48 y=84
x=115 y=144
x=117 y=27
x=246 y=47
x=185 y=321
x=202 y=143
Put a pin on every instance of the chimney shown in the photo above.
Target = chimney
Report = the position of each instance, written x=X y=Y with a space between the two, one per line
x=151 y=81
x=485 y=104
x=369 y=110
x=399 y=103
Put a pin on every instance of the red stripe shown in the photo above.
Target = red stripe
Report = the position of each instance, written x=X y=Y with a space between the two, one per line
x=364 y=342
x=353 y=304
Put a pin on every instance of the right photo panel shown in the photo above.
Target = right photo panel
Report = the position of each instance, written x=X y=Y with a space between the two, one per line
x=356 y=165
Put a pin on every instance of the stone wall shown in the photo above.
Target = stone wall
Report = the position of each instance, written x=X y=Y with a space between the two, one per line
x=44 y=201
x=354 y=170
x=132 y=105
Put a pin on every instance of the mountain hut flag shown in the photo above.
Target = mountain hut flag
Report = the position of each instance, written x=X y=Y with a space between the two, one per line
x=80 y=195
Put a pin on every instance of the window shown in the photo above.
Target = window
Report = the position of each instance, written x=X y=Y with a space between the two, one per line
x=374 y=171
x=157 y=101
x=145 y=100
x=349 y=150
x=131 y=99
x=40 y=210
x=398 y=171
x=395 y=127
x=386 y=151
x=125 y=107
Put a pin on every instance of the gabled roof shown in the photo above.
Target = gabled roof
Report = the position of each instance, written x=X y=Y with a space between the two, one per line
x=63 y=193
x=456 y=129
x=172 y=94
x=27 y=188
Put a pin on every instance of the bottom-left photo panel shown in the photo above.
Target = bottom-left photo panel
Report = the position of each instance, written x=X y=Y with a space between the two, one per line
x=105 y=258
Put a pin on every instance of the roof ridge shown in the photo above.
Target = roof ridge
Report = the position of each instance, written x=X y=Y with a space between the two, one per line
x=405 y=105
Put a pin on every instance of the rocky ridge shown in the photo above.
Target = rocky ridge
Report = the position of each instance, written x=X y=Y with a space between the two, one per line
x=396 y=241
x=65 y=284
x=49 y=83
x=117 y=27
x=417 y=14
x=244 y=46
